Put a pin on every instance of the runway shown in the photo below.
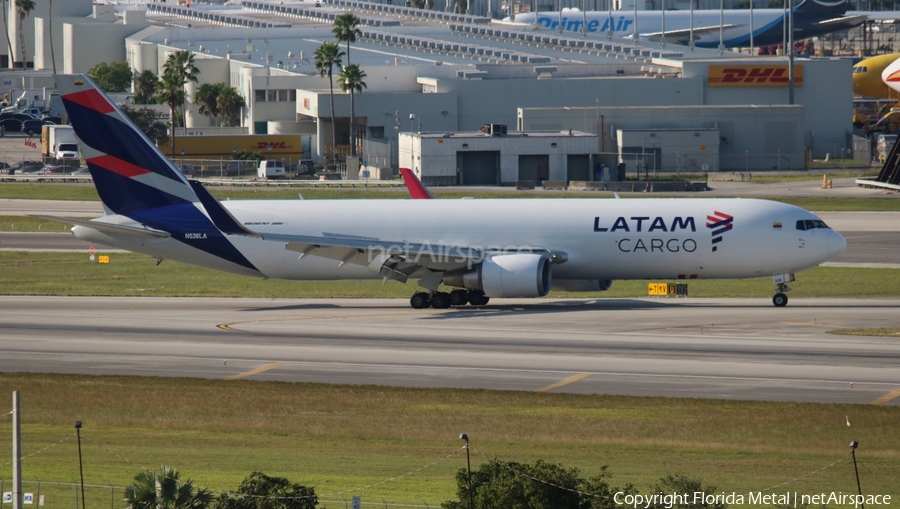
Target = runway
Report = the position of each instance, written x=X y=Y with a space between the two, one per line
x=709 y=348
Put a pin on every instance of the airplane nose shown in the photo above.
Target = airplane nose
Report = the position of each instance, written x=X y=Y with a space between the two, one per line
x=836 y=244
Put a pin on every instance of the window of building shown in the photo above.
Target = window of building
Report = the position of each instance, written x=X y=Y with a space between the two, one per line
x=271 y=95
x=282 y=96
x=259 y=96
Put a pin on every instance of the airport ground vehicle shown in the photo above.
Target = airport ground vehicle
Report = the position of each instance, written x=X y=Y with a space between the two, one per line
x=11 y=125
x=58 y=142
x=34 y=126
x=889 y=123
x=512 y=248
x=270 y=169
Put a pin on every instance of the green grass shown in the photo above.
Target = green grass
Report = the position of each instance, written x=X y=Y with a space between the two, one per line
x=338 y=438
x=837 y=164
x=885 y=331
x=764 y=178
x=31 y=224
x=87 y=193
x=129 y=274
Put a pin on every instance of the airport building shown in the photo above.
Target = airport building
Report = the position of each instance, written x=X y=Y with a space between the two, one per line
x=430 y=73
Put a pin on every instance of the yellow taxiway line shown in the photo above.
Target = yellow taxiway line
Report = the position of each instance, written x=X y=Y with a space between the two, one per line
x=256 y=371
x=887 y=397
x=563 y=383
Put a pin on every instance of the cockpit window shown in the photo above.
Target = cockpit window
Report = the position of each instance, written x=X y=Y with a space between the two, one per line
x=811 y=224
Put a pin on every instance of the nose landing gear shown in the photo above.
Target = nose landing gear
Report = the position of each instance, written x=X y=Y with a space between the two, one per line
x=781 y=280
x=780 y=300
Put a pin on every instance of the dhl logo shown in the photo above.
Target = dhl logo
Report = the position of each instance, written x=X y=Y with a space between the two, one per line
x=262 y=145
x=753 y=76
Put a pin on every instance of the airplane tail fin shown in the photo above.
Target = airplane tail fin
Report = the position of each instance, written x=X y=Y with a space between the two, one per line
x=417 y=191
x=132 y=176
x=134 y=179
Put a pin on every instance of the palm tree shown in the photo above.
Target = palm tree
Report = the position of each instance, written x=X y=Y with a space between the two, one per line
x=181 y=64
x=327 y=56
x=23 y=10
x=145 y=87
x=164 y=489
x=346 y=28
x=230 y=105
x=351 y=80
x=170 y=91
x=207 y=101
x=12 y=56
x=50 y=22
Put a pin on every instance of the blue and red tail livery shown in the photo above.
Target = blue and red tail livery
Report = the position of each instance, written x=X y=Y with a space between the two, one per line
x=133 y=178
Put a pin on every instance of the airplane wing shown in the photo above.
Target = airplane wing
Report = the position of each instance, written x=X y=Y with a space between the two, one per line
x=684 y=35
x=841 y=23
x=399 y=260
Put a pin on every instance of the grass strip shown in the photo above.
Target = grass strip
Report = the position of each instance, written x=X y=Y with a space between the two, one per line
x=884 y=332
x=82 y=192
x=127 y=274
x=337 y=438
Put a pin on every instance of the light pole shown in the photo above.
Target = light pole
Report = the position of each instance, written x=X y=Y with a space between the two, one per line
x=853 y=445
x=80 y=469
x=463 y=436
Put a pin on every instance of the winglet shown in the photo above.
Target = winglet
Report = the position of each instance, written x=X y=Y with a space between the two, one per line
x=417 y=191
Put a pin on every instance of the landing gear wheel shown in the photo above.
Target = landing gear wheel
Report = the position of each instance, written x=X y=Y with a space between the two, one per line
x=780 y=300
x=478 y=298
x=419 y=300
x=459 y=298
x=440 y=300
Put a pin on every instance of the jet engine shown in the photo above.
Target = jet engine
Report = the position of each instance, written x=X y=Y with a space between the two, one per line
x=506 y=275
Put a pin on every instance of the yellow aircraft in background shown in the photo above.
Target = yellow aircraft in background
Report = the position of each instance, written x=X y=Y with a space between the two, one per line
x=867 y=80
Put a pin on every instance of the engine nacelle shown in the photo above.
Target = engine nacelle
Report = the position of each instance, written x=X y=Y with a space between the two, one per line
x=581 y=285
x=507 y=275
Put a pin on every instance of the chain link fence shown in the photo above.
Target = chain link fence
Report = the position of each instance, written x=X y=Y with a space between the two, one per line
x=67 y=495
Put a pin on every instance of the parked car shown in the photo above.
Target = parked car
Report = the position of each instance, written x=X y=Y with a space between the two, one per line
x=11 y=125
x=34 y=126
x=21 y=117
x=25 y=167
x=50 y=170
x=80 y=171
x=306 y=167
x=187 y=169
x=34 y=112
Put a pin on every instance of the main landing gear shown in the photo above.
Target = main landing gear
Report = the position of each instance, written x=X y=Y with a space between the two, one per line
x=443 y=300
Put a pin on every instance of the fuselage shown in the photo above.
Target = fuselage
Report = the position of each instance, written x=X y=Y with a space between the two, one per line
x=867 y=77
x=767 y=25
x=599 y=238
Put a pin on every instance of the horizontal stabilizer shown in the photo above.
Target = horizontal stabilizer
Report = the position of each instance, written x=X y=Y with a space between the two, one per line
x=109 y=227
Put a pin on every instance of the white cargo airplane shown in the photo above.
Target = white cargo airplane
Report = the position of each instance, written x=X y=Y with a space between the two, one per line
x=811 y=18
x=483 y=248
